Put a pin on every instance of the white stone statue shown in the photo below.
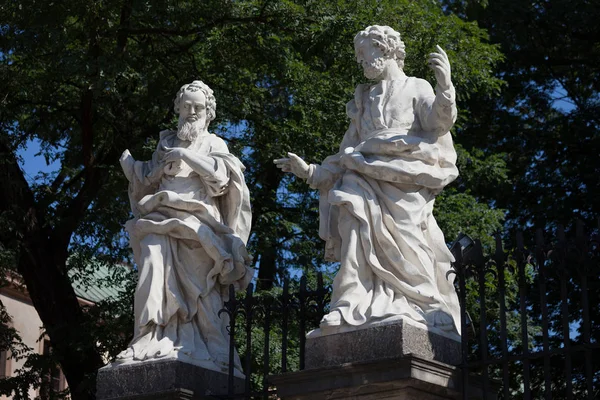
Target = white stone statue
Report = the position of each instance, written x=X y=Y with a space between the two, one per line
x=377 y=194
x=191 y=222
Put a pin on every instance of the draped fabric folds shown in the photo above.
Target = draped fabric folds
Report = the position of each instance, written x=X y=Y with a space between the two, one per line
x=376 y=202
x=189 y=240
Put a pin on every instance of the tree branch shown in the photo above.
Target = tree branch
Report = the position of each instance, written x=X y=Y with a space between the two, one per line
x=124 y=25
x=196 y=30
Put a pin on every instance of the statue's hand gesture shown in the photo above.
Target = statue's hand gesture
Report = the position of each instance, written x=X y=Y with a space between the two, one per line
x=176 y=154
x=440 y=65
x=293 y=164
x=127 y=162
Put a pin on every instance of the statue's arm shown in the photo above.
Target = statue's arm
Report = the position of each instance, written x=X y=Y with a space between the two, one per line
x=211 y=169
x=319 y=177
x=325 y=175
x=437 y=112
x=146 y=173
x=142 y=177
x=315 y=175
x=322 y=176
x=203 y=165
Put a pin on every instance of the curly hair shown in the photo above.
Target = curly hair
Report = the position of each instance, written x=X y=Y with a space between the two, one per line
x=387 y=39
x=211 y=103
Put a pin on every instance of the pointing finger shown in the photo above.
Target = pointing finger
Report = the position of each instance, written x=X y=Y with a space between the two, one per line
x=437 y=46
x=439 y=59
x=437 y=56
x=439 y=64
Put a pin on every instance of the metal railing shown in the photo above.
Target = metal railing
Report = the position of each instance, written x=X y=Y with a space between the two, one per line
x=530 y=320
x=277 y=322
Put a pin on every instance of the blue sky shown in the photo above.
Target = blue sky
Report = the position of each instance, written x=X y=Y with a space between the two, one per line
x=32 y=162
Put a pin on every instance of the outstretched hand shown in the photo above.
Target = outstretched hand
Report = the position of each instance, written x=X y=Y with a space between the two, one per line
x=293 y=164
x=440 y=65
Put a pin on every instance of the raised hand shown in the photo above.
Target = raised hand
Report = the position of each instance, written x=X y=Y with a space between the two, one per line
x=440 y=65
x=293 y=164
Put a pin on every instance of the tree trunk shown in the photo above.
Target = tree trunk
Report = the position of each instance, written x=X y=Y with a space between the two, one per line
x=265 y=201
x=55 y=301
x=42 y=265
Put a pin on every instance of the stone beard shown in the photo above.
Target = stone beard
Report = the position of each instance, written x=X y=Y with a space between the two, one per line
x=190 y=130
x=377 y=194
x=375 y=68
x=191 y=222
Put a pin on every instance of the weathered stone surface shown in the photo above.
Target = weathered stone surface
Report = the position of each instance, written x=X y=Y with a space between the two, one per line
x=169 y=379
x=404 y=378
x=377 y=192
x=381 y=342
x=192 y=217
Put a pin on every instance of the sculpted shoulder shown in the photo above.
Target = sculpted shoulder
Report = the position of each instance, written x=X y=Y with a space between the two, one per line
x=166 y=133
x=217 y=144
x=421 y=84
x=353 y=106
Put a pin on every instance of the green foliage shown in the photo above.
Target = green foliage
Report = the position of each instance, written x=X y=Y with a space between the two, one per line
x=89 y=79
x=476 y=220
x=545 y=123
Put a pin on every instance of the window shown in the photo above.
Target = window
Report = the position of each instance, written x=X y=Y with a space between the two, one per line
x=4 y=370
x=51 y=381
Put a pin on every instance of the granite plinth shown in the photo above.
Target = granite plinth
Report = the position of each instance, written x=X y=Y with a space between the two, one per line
x=403 y=378
x=169 y=379
x=380 y=342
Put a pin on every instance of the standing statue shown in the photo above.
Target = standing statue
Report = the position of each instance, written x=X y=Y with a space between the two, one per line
x=192 y=218
x=377 y=193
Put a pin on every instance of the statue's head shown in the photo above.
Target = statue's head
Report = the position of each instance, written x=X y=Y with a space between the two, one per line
x=375 y=45
x=196 y=106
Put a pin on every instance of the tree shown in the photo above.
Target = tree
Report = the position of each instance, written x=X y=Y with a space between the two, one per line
x=546 y=121
x=545 y=125
x=88 y=80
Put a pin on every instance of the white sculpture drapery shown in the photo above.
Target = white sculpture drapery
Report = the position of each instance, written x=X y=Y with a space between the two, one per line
x=191 y=223
x=377 y=193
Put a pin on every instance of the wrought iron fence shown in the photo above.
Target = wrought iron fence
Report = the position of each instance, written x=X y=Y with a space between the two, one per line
x=277 y=322
x=530 y=320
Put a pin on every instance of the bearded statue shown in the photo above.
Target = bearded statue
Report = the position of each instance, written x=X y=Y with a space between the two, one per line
x=377 y=194
x=191 y=222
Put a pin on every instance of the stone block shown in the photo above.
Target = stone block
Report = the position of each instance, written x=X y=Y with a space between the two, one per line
x=379 y=342
x=403 y=378
x=168 y=379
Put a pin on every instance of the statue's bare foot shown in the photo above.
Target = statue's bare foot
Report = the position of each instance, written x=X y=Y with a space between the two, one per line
x=441 y=320
x=334 y=318
x=125 y=355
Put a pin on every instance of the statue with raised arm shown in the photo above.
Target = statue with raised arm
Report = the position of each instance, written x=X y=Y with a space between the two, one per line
x=377 y=193
x=192 y=218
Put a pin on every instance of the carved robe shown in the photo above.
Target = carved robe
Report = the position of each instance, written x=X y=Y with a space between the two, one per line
x=376 y=201
x=188 y=237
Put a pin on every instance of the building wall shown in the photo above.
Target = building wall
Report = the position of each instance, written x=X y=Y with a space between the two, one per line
x=26 y=321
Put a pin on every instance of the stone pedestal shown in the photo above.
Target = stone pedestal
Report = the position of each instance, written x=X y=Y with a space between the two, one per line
x=381 y=341
x=404 y=378
x=168 y=379
x=401 y=361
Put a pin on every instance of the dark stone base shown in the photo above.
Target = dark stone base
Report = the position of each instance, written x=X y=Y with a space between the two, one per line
x=168 y=379
x=404 y=378
x=381 y=342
